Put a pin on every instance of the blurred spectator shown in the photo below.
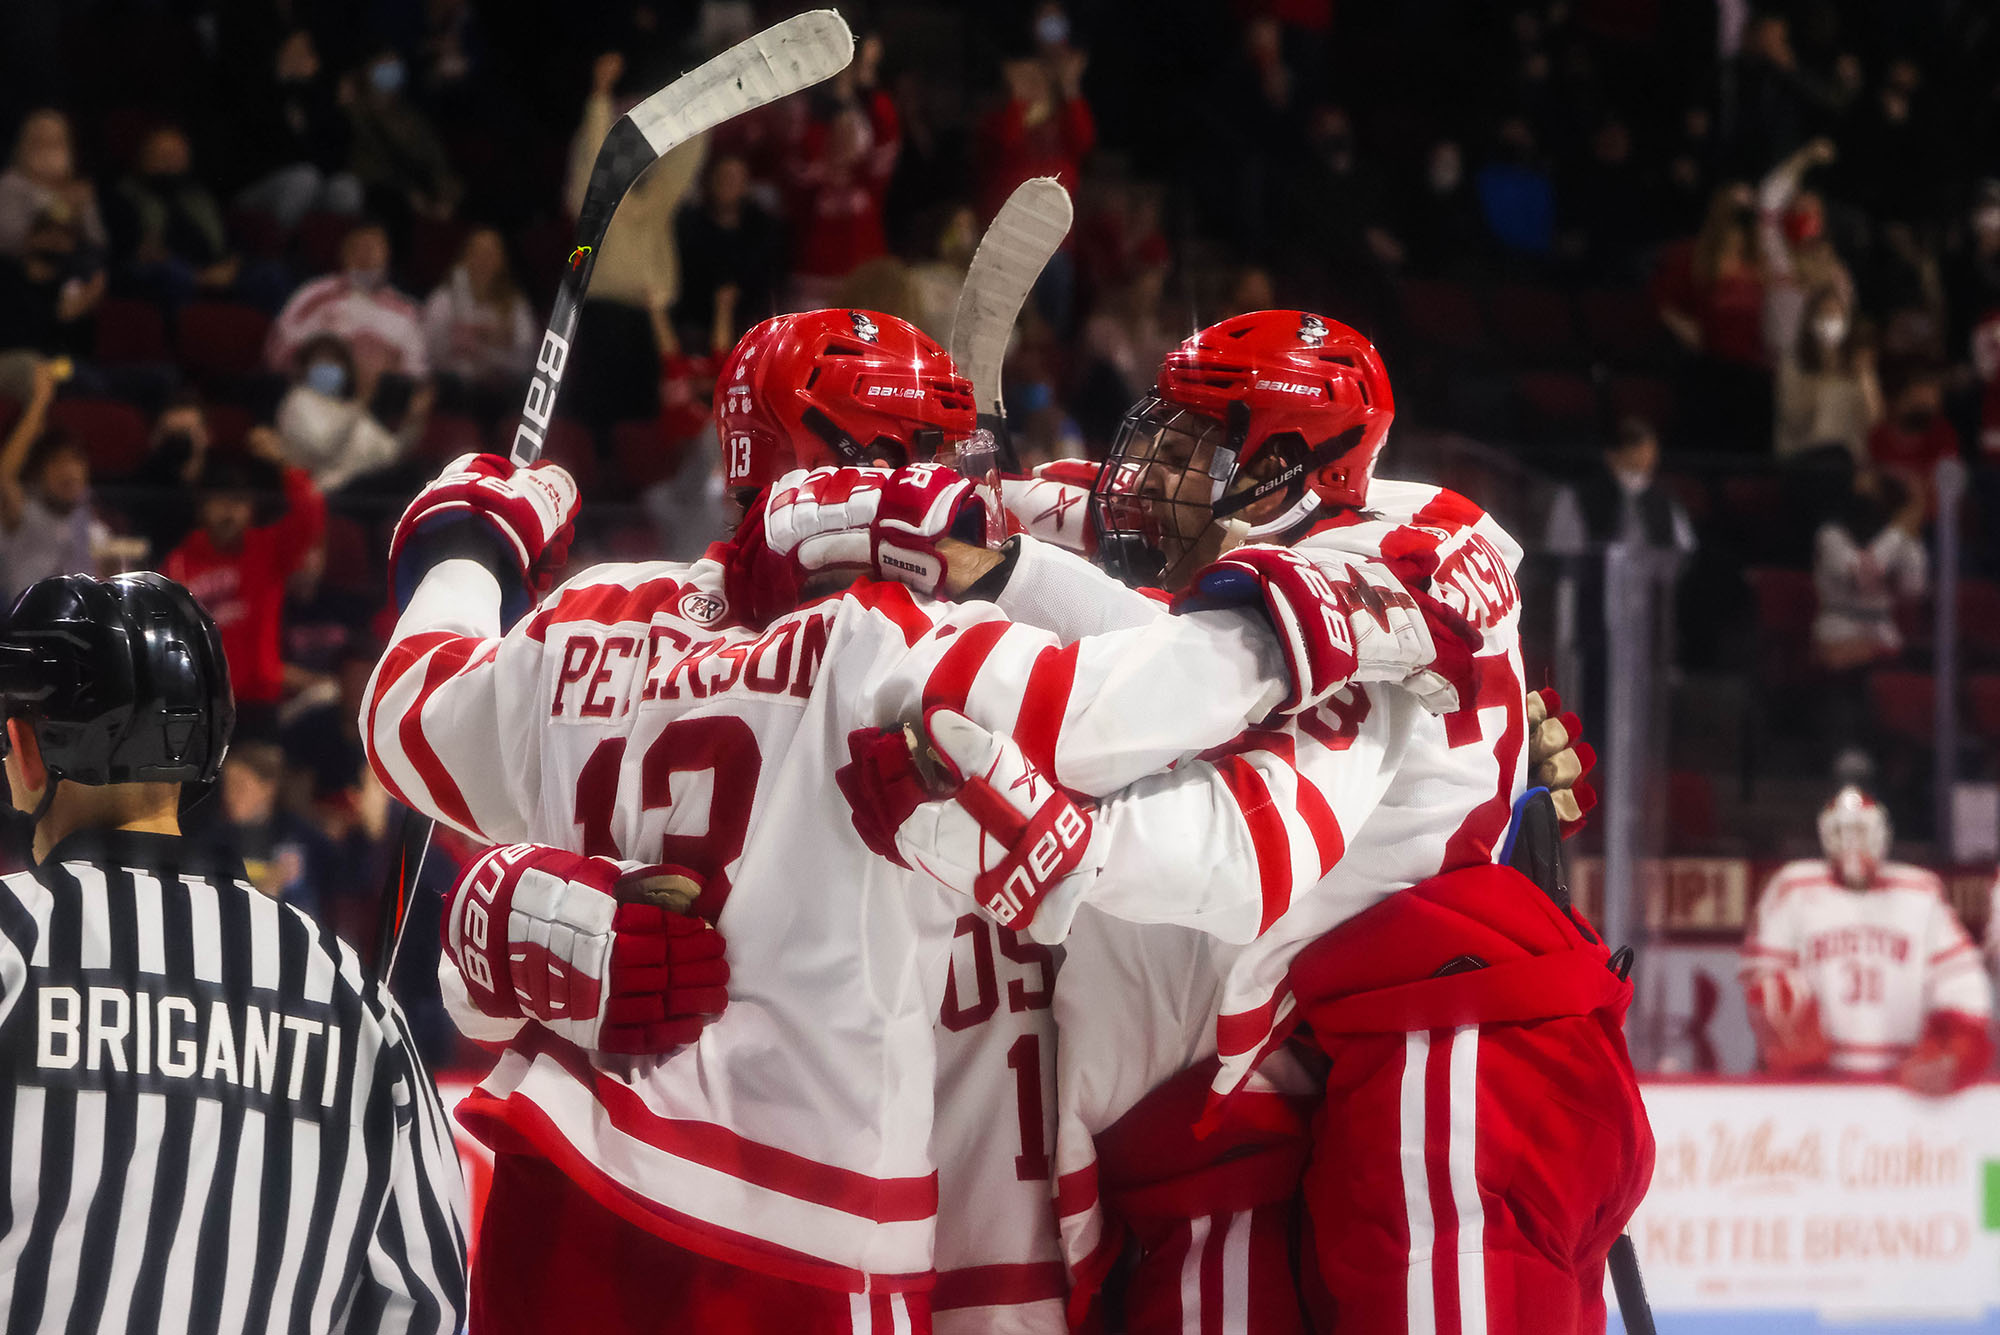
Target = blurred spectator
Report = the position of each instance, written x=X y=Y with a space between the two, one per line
x=396 y=154
x=1446 y=232
x=1892 y=143
x=1827 y=392
x=1856 y=965
x=1910 y=441
x=727 y=239
x=177 y=453
x=935 y=283
x=477 y=324
x=238 y=568
x=1124 y=342
x=1777 y=104
x=284 y=856
x=166 y=227
x=686 y=506
x=1710 y=294
x=616 y=377
x=1251 y=121
x=1868 y=559
x=47 y=525
x=325 y=428
x=294 y=139
x=1799 y=256
x=1986 y=370
x=1622 y=501
x=43 y=180
x=1340 y=222
x=49 y=294
x=1044 y=128
x=1972 y=273
x=382 y=328
x=1516 y=194
x=837 y=179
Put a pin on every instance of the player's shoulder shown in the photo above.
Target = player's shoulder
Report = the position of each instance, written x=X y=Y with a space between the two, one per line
x=628 y=591
x=1803 y=875
x=888 y=606
x=1912 y=880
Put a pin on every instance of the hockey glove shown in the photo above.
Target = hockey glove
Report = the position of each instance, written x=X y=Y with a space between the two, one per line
x=877 y=522
x=526 y=515
x=964 y=805
x=1053 y=506
x=1560 y=760
x=1784 y=1015
x=603 y=953
x=1954 y=1051
x=1353 y=624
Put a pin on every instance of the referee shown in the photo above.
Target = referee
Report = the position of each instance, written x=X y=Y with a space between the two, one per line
x=210 y=1122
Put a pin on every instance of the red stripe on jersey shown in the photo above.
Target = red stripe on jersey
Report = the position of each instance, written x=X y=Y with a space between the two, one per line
x=402 y=656
x=1043 y=705
x=894 y=602
x=1479 y=835
x=1267 y=835
x=483 y=1114
x=1872 y=1048
x=450 y=658
x=1310 y=804
x=1076 y=1192
x=884 y=1200
x=607 y=604
x=1244 y=1030
x=999 y=1285
x=951 y=680
x=1448 y=509
x=1944 y=955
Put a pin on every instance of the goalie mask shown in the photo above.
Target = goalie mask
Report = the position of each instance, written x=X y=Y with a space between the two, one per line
x=1256 y=424
x=833 y=387
x=1854 y=834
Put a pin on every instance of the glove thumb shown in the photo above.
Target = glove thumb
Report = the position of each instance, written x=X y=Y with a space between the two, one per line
x=956 y=743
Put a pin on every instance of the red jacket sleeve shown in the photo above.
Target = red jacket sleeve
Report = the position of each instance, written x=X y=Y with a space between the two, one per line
x=303 y=524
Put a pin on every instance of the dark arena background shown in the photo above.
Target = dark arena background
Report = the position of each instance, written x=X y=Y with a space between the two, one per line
x=1699 y=298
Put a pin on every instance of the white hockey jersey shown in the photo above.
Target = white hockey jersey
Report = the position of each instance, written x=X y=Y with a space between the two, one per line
x=1879 y=961
x=999 y=1260
x=630 y=715
x=1218 y=874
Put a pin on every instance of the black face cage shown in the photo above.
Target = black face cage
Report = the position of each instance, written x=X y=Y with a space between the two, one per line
x=1145 y=507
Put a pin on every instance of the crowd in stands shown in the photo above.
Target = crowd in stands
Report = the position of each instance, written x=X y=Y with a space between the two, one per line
x=264 y=265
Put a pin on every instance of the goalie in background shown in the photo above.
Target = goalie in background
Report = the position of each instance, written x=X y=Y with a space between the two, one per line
x=1857 y=966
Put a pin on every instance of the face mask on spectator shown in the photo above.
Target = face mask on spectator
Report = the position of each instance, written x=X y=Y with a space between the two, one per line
x=1052 y=29
x=1831 y=329
x=365 y=280
x=329 y=378
x=386 y=75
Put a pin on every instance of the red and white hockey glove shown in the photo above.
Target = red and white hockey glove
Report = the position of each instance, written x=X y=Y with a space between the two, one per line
x=1054 y=504
x=884 y=523
x=1954 y=1051
x=1560 y=760
x=603 y=953
x=963 y=804
x=530 y=511
x=1355 y=624
x=1784 y=1015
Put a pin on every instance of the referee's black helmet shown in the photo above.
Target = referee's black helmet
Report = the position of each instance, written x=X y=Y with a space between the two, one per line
x=123 y=680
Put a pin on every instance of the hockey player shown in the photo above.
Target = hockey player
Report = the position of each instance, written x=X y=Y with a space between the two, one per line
x=775 y=1173
x=1857 y=965
x=1423 y=1001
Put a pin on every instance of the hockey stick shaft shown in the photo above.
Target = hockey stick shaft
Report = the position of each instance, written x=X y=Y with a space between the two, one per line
x=781 y=60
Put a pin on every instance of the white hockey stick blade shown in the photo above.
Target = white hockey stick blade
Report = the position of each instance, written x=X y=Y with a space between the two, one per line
x=777 y=62
x=1011 y=256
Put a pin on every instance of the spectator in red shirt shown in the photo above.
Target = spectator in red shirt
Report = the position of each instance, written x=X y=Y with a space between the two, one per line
x=1711 y=296
x=238 y=570
x=838 y=179
x=1910 y=441
x=1045 y=127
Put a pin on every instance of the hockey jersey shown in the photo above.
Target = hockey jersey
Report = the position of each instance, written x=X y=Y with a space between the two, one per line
x=1878 y=962
x=631 y=715
x=1217 y=875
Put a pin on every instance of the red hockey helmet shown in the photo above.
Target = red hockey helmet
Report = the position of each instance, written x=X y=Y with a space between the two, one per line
x=1272 y=403
x=836 y=387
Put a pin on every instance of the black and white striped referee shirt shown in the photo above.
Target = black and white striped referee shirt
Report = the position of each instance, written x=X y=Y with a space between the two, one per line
x=210 y=1122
